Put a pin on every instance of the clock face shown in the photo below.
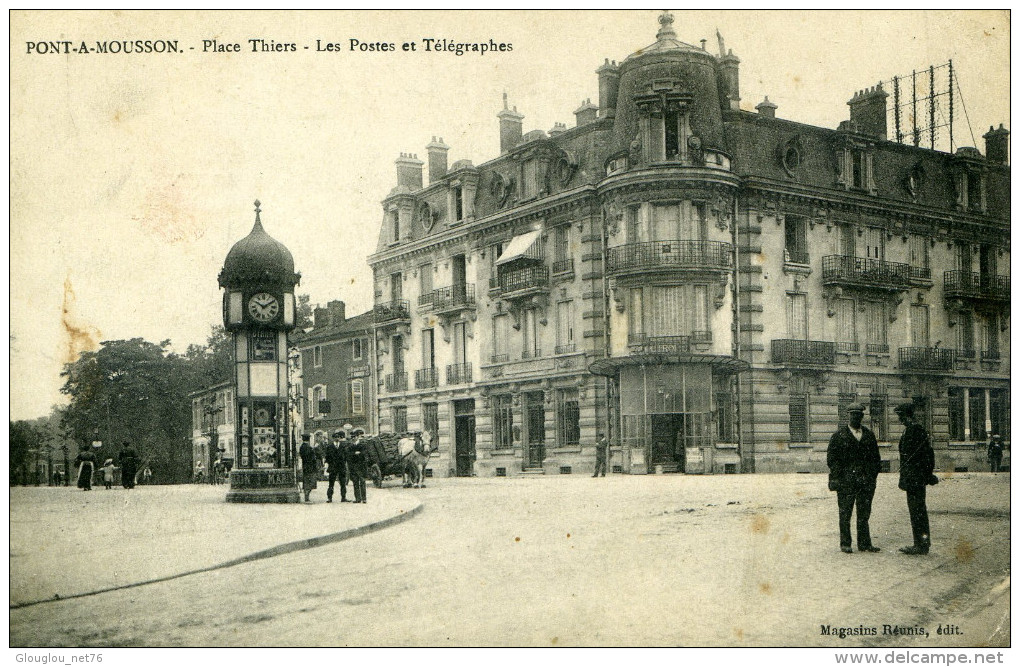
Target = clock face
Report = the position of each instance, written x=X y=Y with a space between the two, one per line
x=262 y=417
x=263 y=307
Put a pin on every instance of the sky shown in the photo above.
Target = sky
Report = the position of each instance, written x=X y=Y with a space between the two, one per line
x=131 y=175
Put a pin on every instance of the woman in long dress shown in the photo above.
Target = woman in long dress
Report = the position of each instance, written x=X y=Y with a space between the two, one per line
x=86 y=463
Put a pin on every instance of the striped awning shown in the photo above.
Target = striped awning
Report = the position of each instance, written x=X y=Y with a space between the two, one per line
x=525 y=245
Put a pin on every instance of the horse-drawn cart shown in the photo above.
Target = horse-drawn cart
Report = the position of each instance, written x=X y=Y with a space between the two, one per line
x=382 y=457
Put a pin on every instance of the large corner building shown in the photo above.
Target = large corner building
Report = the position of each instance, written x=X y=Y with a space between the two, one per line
x=708 y=286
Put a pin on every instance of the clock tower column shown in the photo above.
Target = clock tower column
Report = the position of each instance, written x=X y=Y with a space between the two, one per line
x=258 y=279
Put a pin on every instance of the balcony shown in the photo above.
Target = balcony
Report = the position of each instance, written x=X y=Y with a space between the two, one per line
x=656 y=256
x=447 y=300
x=426 y=378
x=568 y=348
x=499 y=358
x=391 y=312
x=847 y=271
x=644 y=344
x=521 y=282
x=563 y=267
x=396 y=382
x=927 y=359
x=458 y=373
x=803 y=352
x=531 y=354
x=920 y=275
x=990 y=355
x=968 y=285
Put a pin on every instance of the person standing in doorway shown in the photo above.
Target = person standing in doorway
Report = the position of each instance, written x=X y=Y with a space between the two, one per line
x=309 y=466
x=336 y=459
x=917 y=467
x=854 y=464
x=601 y=455
x=994 y=453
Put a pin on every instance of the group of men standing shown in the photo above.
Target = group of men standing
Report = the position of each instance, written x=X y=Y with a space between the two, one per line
x=345 y=460
x=854 y=464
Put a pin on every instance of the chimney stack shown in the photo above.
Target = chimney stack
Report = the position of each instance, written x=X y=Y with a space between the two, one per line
x=766 y=109
x=510 y=127
x=609 y=88
x=409 y=171
x=729 y=80
x=997 y=145
x=337 y=313
x=586 y=113
x=437 y=151
x=320 y=318
x=867 y=111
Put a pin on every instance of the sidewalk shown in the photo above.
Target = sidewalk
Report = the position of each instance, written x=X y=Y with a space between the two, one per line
x=67 y=542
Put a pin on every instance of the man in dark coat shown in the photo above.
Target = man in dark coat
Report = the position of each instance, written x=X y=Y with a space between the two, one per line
x=994 y=453
x=917 y=467
x=854 y=464
x=309 y=466
x=357 y=465
x=336 y=459
x=128 y=466
x=601 y=455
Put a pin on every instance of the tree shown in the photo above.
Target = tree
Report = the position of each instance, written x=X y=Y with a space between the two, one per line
x=304 y=318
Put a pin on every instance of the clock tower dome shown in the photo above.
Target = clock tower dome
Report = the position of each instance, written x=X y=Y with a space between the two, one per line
x=258 y=279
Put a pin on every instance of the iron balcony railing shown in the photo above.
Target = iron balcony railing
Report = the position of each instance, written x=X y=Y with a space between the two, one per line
x=865 y=272
x=876 y=348
x=426 y=378
x=458 y=373
x=524 y=278
x=645 y=344
x=797 y=256
x=669 y=255
x=976 y=285
x=568 y=348
x=990 y=355
x=927 y=359
x=446 y=298
x=391 y=311
x=499 y=358
x=531 y=354
x=396 y=382
x=920 y=273
x=793 y=351
x=563 y=266
x=847 y=347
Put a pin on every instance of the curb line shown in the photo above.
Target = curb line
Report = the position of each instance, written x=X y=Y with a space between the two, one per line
x=279 y=550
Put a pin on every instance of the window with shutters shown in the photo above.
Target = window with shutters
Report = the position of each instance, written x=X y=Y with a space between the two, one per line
x=847 y=241
x=796 y=316
x=357 y=397
x=878 y=414
x=529 y=181
x=529 y=331
x=636 y=314
x=666 y=223
x=919 y=257
x=424 y=279
x=568 y=417
x=874 y=243
x=919 y=325
x=700 y=329
x=965 y=334
x=428 y=348
x=565 y=327
x=796 y=250
x=502 y=421
x=855 y=169
x=458 y=202
x=990 y=348
x=400 y=419
x=798 y=417
x=500 y=338
x=635 y=230
x=846 y=325
x=876 y=322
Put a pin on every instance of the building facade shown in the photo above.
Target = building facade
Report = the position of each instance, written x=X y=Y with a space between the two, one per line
x=335 y=381
x=710 y=287
x=212 y=427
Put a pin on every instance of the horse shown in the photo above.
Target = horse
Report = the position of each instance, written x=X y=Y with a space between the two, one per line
x=415 y=454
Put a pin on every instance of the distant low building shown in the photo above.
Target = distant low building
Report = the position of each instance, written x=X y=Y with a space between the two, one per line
x=212 y=426
x=334 y=379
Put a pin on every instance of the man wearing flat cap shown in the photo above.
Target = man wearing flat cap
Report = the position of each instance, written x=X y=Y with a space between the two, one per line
x=854 y=464
x=336 y=458
x=917 y=467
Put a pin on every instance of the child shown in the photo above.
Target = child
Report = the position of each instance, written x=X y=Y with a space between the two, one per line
x=108 y=469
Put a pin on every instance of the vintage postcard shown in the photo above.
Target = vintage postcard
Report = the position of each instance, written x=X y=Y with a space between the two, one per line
x=530 y=328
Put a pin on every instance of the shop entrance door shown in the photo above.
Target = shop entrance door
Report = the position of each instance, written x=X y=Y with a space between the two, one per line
x=464 y=436
x=667 y=442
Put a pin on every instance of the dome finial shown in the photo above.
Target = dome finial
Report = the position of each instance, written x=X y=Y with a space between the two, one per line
x=258 y=210
x=666 y=26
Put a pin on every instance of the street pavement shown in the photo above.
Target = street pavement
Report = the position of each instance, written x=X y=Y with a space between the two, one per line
x=668 y=560
x=67 y=542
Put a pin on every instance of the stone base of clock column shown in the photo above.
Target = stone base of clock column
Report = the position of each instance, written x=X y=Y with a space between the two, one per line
x=274 y=485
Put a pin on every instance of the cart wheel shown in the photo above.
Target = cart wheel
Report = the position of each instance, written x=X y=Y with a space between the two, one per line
x=376 y=476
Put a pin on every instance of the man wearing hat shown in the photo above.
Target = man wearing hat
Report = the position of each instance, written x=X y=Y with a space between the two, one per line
x=995 y=453
x=357 y=464
x=854 y=464
x=309 y=466
x=336 y=458
x=917 y=467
